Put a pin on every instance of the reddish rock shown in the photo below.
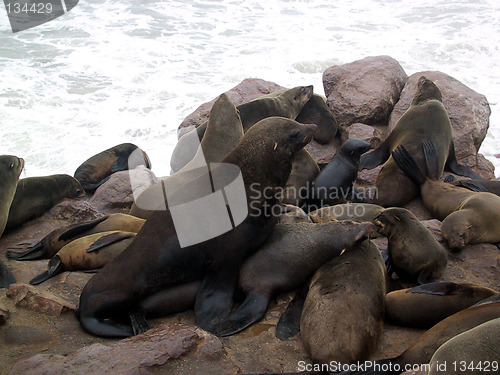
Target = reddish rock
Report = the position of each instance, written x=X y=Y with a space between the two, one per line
x=73 y=210
x=322 y=154
x=29 y=297
x=134 y=355
x=469 y=111
x=118 y=192
x=364 y=91
x=249 y=89
x=434 y=226
x=497 y=156
x=372 y=134
x=480 y=165
x=417 y=207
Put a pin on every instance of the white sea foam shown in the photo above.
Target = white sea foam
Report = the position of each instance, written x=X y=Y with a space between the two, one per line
x=125 y=71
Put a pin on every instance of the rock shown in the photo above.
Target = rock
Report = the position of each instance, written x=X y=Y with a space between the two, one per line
x=372 y=134
x=134 y=355
x=364 y=90
x=15 y=335
x=468 y=110
x=322 y=154
x=434 y=226
x=480 y=165
x=29 y=297
x=497 y=156
x=417 y=207
x=249 y=89
x=118 y=192
x=73 y=210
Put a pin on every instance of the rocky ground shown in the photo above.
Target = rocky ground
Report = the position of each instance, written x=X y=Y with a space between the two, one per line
x=39 y=333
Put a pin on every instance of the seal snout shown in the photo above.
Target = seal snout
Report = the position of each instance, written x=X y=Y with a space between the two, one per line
x=310 y=131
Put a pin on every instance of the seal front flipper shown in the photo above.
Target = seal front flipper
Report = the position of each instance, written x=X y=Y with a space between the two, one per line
x=408 y=165
x=138 y=321
x=374 y=158
x=214 y=299
x=108 y=240
x=34 y=253
x=250 y=311
x=289 y=323
x=473 y=186
x=452 y=165
x=388 y=262
x=6 y=277
x=55 y=268
x=70 y=233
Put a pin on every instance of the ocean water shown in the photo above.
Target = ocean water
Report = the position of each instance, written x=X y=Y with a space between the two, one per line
x=113 y=71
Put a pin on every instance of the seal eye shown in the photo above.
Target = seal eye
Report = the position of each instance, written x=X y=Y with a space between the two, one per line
x=294 y=134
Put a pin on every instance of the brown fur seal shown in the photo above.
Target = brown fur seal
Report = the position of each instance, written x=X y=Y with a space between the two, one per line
x=288 y=104
x=304 y=171
x=223 y=133
x=334 y=184
x=97 y=170
x=10 y=170
x=468 y=217
x=422 y=350
x=48 y=246
x=316 y=111
x=425 y=119
x=86 y=253
x=264 y=157
x=343 y=313
x=428 y=304
x=36 y=195
x=413 y=252
x=286 y=261
x=487 y=186
x=474 y=351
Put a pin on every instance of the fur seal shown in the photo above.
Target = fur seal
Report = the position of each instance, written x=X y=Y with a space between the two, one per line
x=304 y=171
x=413 y=252
x=428 y=304
x=95 y=171
x=422 y=350
x=316 y=111
x=335 y=182
x=475 y=350
x=264 y=157
x=286 y=261
x=48 y=246
x=10 y=170
x=425 y=119
x=36 y=195
x=468 y=217
x=487 y=186
x=288 y=104
x=343 y=313
x=223 y=133
x=86 y=253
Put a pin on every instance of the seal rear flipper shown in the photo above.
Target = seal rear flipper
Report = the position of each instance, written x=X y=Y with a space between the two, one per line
x=461 y=170
x=289 y=323
x=440 y=288
x=6 y=277
x=473 y=186
x=408 y=165
x=108 y=240
x=374 y=158
x=431 y=159
x=78 y=229
x=34 y=253
x=250 y=311
x=101 y=328
x=214 y=299
x=55 y=268
x=138 y=321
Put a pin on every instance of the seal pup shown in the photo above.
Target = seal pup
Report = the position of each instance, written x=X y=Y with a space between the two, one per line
x=10 y=170
x=288 y=104
x=468 y=217
x=264 y=157
x=287 y=260
x=48 y=246
x=413 y=252
x=426 y=305
x=426 y=345
x=36 y=195
x=86 y=253
x=343 y=313
x=425 y=119
x=223 y=133
x=95 y=171
x=477 y=349
x=335 y=182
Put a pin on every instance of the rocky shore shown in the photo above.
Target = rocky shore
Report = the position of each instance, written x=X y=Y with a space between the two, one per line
x=39 y=333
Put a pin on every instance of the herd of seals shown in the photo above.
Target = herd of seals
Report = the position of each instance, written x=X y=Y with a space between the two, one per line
x=345 y=287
